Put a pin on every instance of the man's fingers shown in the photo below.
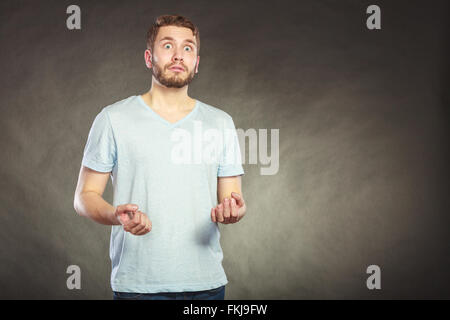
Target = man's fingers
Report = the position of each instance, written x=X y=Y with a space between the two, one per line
x=146 y=229
x=213 y=215
x=219 y=212
x=239 y=199
x=125 y=212
x=138 y=229
x=234 y=211
x=148 y=226
x=226 y=210
x=137 y=223
x=127 y=208
x=144 y=225
x=137 y=217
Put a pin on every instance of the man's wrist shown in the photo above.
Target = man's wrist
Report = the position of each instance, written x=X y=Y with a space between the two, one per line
x=114 y=218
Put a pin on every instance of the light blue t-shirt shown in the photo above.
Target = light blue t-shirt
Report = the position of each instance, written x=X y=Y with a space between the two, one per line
x=142 y=151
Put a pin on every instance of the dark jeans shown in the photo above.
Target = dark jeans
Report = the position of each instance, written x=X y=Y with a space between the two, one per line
x=212 y=294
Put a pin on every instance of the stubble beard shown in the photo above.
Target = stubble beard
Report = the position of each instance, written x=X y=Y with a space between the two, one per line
x=171 y=79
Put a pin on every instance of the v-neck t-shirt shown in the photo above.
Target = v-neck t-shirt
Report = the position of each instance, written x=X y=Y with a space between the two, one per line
x=161 y=167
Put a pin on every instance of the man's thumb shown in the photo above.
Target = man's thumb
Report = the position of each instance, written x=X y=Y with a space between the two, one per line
x=129 y=207
x=238 y=198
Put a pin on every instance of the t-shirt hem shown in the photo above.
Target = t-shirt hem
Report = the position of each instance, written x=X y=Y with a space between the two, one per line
x=95 y=165
x=230 y=172
x=180 y=287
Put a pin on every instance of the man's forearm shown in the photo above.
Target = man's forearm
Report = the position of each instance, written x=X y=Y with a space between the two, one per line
x=93 y=206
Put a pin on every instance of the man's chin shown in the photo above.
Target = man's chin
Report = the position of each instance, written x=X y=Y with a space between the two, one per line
x=178 y=86
x=172 y=82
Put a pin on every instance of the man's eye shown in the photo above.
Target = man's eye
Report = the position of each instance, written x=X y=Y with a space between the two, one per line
x=188 y=48
x=167 y=44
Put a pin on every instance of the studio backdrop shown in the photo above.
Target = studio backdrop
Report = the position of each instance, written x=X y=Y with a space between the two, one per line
x=342 y=110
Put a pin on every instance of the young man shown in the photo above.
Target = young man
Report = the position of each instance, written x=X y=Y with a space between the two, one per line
x=165 y=237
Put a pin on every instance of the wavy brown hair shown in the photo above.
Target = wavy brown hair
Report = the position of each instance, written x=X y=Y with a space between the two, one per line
x=171 y=20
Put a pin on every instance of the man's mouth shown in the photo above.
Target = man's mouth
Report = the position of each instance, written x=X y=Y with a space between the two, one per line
x=177 y=68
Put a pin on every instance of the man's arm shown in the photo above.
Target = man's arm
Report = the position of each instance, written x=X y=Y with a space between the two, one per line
x=227 y=185
x=231 y=207
x=88 y=200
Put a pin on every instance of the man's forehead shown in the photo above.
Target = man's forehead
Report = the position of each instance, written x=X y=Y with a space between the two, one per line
x=178 y=33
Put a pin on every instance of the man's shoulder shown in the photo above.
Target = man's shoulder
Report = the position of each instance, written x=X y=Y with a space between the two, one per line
x=214 y=112
x=120 y=105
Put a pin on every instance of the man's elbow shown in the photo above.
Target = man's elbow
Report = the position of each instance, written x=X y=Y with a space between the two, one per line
x=77 y=204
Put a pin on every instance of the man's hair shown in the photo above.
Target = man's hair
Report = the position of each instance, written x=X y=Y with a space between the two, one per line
x=171 y=20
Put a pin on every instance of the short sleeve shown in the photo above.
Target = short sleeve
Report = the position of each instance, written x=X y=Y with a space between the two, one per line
x=230 y=163
x=100 y=150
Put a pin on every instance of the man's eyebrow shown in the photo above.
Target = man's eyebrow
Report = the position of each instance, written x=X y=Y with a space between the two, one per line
x=185 y=40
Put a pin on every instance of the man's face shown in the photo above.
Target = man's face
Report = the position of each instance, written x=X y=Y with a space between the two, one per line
x=174 y=46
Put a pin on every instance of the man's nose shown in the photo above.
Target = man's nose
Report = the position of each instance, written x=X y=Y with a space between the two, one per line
x=178 y=55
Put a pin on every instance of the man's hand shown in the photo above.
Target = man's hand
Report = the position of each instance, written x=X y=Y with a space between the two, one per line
x=231 y=210
x=134 y=221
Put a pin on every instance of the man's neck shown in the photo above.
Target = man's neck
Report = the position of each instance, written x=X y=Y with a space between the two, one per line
x=168 y=99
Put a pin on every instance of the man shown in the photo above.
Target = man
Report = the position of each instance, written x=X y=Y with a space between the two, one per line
x=165 y=237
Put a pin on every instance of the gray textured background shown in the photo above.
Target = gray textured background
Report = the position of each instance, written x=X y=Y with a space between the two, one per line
x=363 y=119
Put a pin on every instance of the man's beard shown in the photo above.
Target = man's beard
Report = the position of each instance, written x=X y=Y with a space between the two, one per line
x=171 y=79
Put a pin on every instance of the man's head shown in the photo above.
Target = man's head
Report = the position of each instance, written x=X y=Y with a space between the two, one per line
x=173 y=40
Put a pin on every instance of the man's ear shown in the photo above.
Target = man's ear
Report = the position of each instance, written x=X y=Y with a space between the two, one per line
x=198 y=62
x=148 y=58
